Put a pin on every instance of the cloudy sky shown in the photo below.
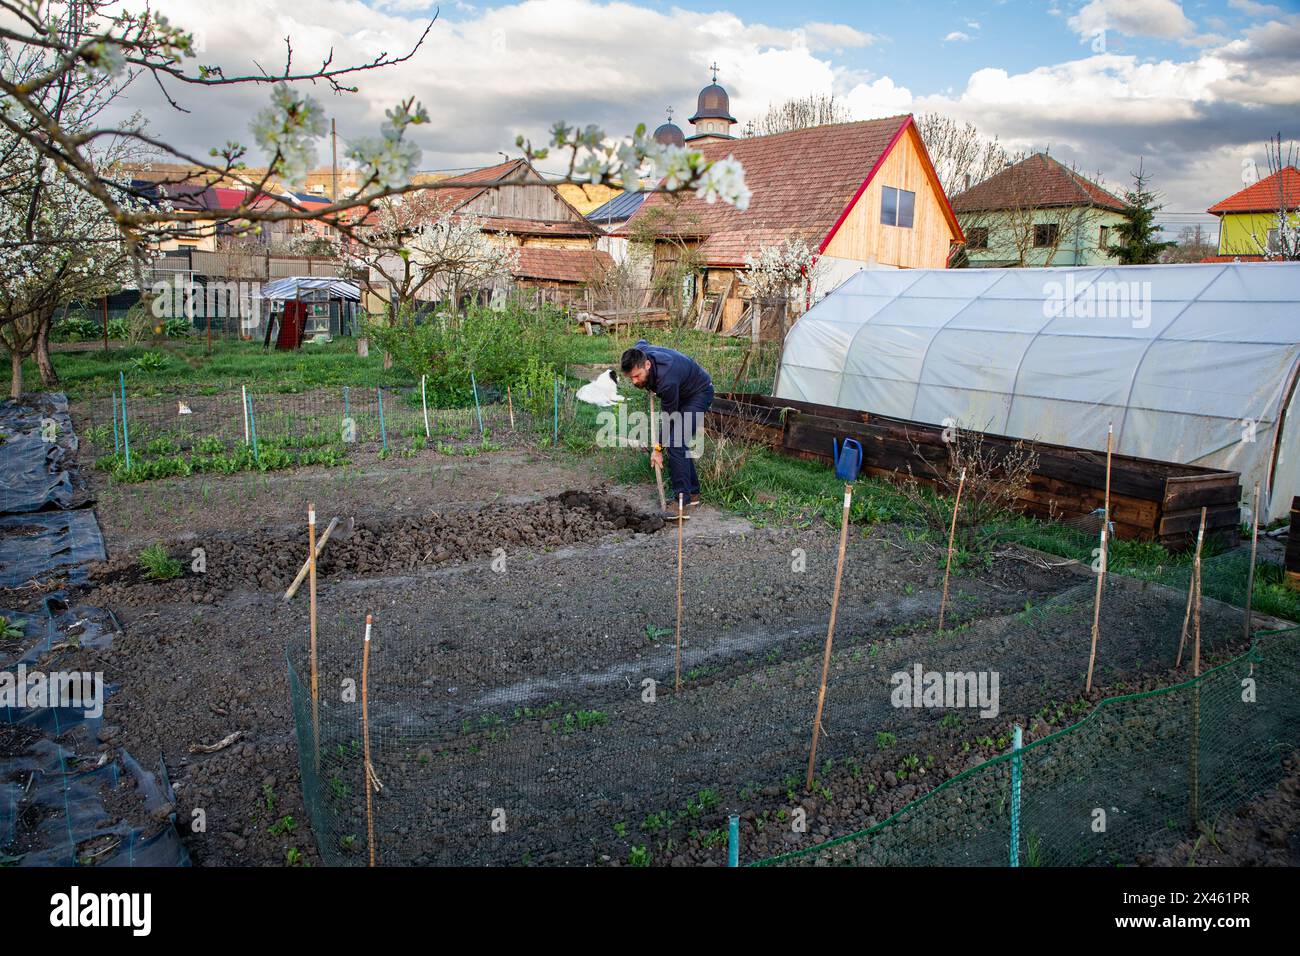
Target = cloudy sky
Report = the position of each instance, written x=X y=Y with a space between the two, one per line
x=1193 y=89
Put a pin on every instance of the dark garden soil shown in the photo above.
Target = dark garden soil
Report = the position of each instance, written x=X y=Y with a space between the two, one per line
x=522 y=669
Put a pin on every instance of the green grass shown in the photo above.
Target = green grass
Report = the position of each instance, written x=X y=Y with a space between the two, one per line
x=186 y=366
x=158 y=565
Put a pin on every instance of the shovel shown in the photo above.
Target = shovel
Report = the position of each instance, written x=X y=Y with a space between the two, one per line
x=343 y=532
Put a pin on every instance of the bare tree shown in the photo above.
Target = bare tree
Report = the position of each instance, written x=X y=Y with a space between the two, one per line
x=961 y=154
x=1281 y=241
x=801 y=113
x=1193 y=245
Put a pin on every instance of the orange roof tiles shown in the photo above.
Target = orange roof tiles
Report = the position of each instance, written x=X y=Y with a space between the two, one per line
x=1267 y=195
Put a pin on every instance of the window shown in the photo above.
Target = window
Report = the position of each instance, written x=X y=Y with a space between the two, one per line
x=1103 y=240
x=1046 y=234
x=977 y=237
x=1274 y=243
x=897 y=207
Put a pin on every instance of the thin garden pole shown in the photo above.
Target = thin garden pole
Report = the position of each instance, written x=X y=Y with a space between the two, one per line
x=478 y=409
x=424 y=401
x=1194 y=775
x=1101 y=571
x=117 y=441
x=733 y=840
x=681 y=522
x=1254 y=544
x=243 y=393
x=311 y=586
x=368 y=776
x=1193 y=590
x=383 y=431
x=252 y=427
x=952 y=534
x=510 y=404
x=126 y=431
x=1017 y=741
x=830 y=634
x=347 y=410
x=555 y=430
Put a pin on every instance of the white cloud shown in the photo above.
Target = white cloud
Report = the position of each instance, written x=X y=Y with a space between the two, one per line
x=956 y=37
x=492 y=74
x=1253 y=9
x=1154 y=18
x=836 y=36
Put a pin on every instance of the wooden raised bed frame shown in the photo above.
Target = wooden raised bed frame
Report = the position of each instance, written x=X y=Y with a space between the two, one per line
x=1150 y=500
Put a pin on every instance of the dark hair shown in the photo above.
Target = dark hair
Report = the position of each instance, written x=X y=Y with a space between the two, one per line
x=631 y=359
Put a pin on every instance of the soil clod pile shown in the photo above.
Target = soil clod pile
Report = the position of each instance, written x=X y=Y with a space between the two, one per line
x=270 y=558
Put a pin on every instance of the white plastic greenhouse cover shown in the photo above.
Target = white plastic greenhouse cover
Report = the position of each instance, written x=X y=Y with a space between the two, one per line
x=1194 y=364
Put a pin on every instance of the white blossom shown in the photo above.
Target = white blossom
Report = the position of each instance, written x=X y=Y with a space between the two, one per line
x=290 y=126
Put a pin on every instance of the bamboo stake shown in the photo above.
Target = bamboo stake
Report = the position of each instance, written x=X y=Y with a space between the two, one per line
x=1254 y=544
x=1193 y=590
x=311 y=590
x=1195 y=768
x=681 y=524
x=1101 y=571
x=952 y=534
x=368 y=773
x=830 y=634
x=510 y=403
x=424 y=401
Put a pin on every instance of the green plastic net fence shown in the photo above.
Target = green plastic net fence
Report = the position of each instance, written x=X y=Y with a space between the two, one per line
x=239 y=430
x=1109 y=790
x=557 y=767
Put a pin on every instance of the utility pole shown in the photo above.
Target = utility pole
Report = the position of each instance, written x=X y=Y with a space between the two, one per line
x=334 y=163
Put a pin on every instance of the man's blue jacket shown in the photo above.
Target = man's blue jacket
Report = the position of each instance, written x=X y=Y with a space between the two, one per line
x=674 y=377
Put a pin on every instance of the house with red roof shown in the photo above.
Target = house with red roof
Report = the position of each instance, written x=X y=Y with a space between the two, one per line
x=861 y=195
x=1038 y=212
x=1249 y=219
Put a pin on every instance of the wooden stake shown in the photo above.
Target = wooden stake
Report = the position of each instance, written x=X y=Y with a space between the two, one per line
x=830 y=635
x=1254 y=544
x=510 y=403
x=952 y=534
x=424 y=401
x=311 y=589
x=680 y=525
x=1194 y=775
x=1101 y=571
x=1193 y=590
x=367 y=775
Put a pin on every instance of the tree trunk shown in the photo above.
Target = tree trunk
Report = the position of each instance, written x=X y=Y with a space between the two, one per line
x=16 y=380
x=49 y=377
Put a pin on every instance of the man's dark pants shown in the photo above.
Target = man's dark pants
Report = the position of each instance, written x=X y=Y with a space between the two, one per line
x=681 y=428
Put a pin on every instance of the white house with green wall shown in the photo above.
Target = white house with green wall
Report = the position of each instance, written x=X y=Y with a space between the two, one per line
x=1038 y=212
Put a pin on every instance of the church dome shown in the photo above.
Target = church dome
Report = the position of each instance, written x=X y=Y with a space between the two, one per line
x=713 y=103
x=670 y=134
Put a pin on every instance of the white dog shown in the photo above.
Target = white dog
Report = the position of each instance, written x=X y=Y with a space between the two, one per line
x=603 y=391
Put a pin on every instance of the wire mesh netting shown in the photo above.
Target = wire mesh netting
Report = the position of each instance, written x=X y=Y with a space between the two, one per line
x=140 y=437
x=1110 y=789
x=537 y=766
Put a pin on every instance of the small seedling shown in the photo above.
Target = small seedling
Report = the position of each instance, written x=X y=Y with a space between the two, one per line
x=638 y=856
x=885 y=740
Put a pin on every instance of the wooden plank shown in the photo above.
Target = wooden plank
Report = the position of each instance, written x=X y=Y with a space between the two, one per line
x=1197 y=491
x=1187 y=522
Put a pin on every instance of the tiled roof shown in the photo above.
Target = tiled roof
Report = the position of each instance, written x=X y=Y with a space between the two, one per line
x=539 y=227
x=1267 y=195
x=456 y=197
x=1036 y=182
x=561 y=265
x=802 y=181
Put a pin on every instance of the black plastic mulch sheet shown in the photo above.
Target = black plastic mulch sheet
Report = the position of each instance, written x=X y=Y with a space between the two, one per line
x=36 y=442
x=36 y=545
x=59 y=790
x=53 y=798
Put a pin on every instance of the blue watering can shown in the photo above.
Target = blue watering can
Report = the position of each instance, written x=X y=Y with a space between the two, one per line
x=848 y=459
